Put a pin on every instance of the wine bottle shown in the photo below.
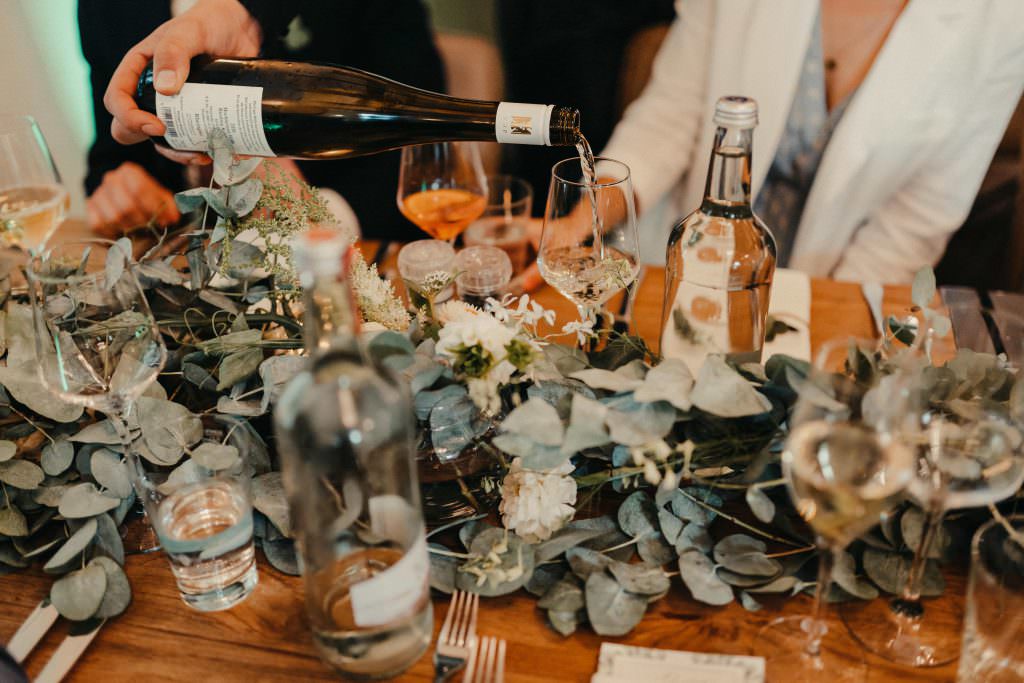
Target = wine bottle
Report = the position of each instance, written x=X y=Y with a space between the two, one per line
x=345 y=431
x=319 y=111
x=721 y=258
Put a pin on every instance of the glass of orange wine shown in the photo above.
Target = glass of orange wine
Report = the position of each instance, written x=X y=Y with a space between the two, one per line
x=442 y=187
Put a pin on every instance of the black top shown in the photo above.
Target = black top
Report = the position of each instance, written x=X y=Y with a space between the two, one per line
x=392 y=38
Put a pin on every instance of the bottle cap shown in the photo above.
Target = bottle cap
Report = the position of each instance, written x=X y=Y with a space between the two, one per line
x=483 y=270
x=736 y=111
x=421 y=258
x=319 y=252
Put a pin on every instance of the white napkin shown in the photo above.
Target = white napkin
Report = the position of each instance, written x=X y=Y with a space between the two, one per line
x=791 y=303
x=628 y=664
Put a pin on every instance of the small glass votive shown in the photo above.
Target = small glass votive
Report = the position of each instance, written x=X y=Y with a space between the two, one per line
x=201 y=510
x=505 y=219
x=483 y=272
x=426 y=267
x=993 y=650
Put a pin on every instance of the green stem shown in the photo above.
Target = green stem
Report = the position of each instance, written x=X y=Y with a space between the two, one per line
x=739 y=522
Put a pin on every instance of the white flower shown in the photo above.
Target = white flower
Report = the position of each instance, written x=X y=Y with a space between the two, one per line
x=584 y=330
x=484 y=330
x=455 y=311
x=376 y=297
x=536 y=503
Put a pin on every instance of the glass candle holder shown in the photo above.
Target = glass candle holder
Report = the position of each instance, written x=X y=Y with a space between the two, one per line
x=483 y=272
x=427 y=268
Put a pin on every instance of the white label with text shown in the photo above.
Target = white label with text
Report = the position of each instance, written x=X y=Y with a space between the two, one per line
x=201 y=107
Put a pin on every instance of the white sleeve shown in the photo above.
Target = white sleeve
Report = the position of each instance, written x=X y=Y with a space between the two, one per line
x=911 y=230
x=658 y=131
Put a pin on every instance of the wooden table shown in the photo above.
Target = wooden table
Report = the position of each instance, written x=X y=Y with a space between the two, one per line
x=266 y=637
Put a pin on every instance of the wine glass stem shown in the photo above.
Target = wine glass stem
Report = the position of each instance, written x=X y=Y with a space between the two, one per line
x=815 y=625
x=909 y=603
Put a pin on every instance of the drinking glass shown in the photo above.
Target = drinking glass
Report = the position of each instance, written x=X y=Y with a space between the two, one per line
x=993 y=651
x=442 y=187
x=588 y=247
x=965 y=458
x=505 y=219
x=32 y=199
x=845 y=468
x=202 y=513
x=97 y=343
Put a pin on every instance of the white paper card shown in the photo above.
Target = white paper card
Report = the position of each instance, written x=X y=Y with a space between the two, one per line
x=626 y=664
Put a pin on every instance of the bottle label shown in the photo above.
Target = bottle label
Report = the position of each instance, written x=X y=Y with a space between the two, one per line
x=201 y=107
x=523 y=124
x=396 y=591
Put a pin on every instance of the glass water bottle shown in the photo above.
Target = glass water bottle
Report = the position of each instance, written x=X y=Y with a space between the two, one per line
x=721 y=258
x=345 y=432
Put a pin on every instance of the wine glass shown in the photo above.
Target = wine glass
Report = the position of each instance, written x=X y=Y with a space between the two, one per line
x=442 y=187
x=588 y=247
x=967 y=456
x=97 y=343
x=845 y=468
x=32 y=199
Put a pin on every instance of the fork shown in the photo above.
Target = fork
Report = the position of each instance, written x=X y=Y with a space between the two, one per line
x=457 y=639
x=487 y=663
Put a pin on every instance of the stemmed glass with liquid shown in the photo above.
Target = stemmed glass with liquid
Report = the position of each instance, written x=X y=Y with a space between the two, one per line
x=588 y=248
x=845 y=466
x=97 y=343
x=967 y=456
x=33 y=201
x=442 y=187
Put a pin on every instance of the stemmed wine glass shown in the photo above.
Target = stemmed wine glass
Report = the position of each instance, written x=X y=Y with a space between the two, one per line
x=845 y=467
x=966 y=457
x=97 y=343
x=588 y=247
x=32 y=199
x=442 y=187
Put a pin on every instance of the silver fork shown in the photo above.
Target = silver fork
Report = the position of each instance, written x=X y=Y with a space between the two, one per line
x=487 y=663
x=457 y=639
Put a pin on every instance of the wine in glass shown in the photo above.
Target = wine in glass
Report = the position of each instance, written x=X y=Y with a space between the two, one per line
x=588 y=247
x=97 y=343
x=442 y=187
x=967 y=457
x=33 y=201
x=845 y=467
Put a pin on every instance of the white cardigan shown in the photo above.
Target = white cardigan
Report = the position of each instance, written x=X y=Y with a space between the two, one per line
x=906 y=160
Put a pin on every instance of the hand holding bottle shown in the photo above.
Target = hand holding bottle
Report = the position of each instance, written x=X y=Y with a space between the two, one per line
x=217 y=27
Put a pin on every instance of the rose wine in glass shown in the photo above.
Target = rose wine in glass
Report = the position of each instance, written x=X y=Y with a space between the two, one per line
x=442 y=187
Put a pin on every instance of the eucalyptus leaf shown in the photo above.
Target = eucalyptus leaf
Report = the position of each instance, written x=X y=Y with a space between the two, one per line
x=698 y=573
x=13 y=522
x=685 y=506
x=84 y=500
x=425 y=401
x=108 y=538
x=8 y=449
x=635 y=424
x=638 y=515
x=749 y=602
x=911 y=527
x=516 y=563
x=534 y=455
x=275 y=373
x=56 y=457
x=22 y=382
x=230 y=406
x=118 y=593
x=282 y=556
x=537 y=420
x=102 y=432
x=638 y=578
x=670 y=525
x=653 y=550
x=238 y=366
x=454 y=423
x=22 y=474
x=388 y=344
x=167 y=429
x=116 y=260
x=544 y=577
x=564 y=596
x=268 y=497
x=442 y=569
x=111 y=472
x=760 y=504
x=671 y=381
x=889 y=572
x=78 y=595
x=11 y=558
x=844 y=573
x=215 y=456
x=564 y=622
x=242 y=198
x=76 y=544
x=585 y=562
x=922 y=290
x=607 y=380
x=720 y=390
x=783 y=584
x=49 y=495
x=562 y=540
x=612 y=611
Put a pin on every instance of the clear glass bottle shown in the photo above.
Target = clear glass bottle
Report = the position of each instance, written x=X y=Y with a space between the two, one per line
x=721 y=258
x=345 y=434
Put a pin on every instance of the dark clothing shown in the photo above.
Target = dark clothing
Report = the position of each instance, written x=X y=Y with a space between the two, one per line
x=392 y=38
x=568 y=52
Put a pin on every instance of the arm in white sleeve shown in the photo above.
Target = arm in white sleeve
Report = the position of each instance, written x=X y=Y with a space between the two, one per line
x=911 y=230
x=658 y=131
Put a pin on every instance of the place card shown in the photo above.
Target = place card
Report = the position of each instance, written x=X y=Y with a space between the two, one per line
x=628 y=664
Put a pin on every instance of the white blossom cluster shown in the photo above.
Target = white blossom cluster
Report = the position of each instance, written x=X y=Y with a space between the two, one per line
x=537 y=503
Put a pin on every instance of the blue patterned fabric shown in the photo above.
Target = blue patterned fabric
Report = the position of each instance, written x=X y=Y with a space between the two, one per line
x=809 y=127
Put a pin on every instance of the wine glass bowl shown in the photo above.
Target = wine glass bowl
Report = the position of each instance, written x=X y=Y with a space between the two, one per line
x=588 y=248
x=33 y=202
x=442 y=187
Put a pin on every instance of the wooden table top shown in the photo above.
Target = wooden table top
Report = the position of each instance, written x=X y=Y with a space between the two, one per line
x=266 y=638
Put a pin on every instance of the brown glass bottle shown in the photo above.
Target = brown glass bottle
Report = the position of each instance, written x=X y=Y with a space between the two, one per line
x=321 y=111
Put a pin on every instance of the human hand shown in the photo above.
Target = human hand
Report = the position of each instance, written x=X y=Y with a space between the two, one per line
x=214 y=27
x=127 y=198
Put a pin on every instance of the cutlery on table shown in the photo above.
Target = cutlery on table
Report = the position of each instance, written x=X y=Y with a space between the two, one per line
x=70 y=649
x=457 y=639
x=487 y=662
x=873 y=293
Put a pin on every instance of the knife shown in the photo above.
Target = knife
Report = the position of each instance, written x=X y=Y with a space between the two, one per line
x=32 y=631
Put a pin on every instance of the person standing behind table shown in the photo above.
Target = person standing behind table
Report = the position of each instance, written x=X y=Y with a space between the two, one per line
x=392 y=39
x=878 y=120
